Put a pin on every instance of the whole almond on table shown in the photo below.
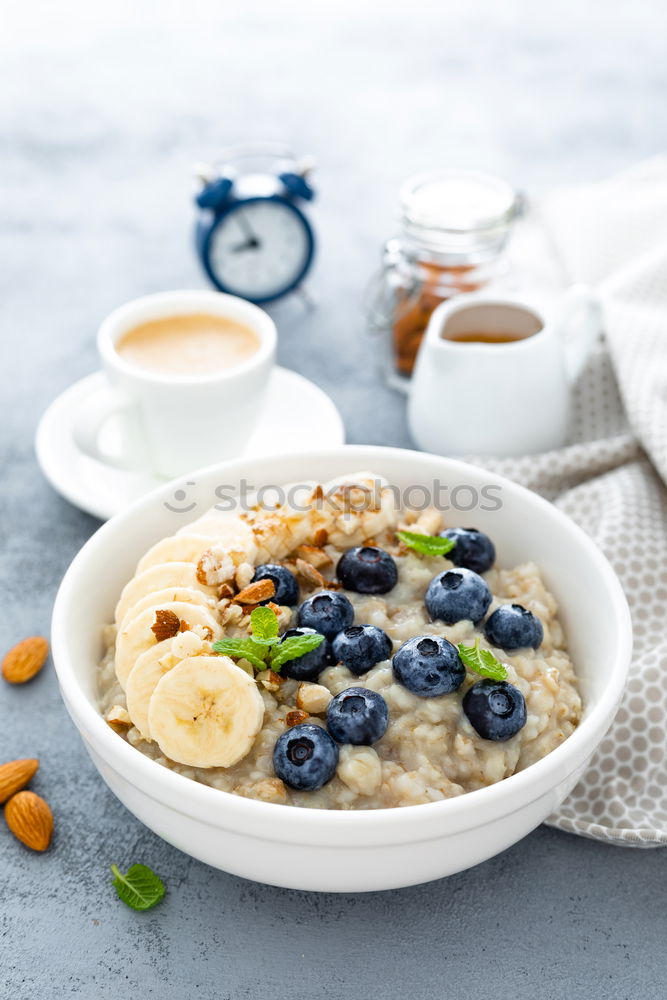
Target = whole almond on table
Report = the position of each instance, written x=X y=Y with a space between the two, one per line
x=30 y=819
x=15 y=775
x=25 y=660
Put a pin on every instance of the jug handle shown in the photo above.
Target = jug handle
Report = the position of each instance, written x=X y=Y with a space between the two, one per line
x=579 y=323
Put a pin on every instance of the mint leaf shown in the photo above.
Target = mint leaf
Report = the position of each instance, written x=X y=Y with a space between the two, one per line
x=242 y=649
x=264 y=624
x=428 y=545
x=264 y=649
x=482 y=661
x=140 y=889
x=255 y=649
x=293 y=647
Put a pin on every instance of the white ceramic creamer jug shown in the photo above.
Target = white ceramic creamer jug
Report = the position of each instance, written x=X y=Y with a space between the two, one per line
x=495 y=372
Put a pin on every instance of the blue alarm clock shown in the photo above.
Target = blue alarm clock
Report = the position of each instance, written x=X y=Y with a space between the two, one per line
x=252 y=236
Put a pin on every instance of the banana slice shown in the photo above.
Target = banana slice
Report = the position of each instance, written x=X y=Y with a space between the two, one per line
x=142 y=681
x=149 y=669
x=168 y=574
x=205 y=712
x=157 y=598
x=224 y=529
x=137 y=637
x=175 y=548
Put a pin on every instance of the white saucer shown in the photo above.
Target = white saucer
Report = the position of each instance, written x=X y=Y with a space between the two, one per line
x=297 y=413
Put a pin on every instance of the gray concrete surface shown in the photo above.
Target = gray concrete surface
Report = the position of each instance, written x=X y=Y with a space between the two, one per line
x=102 y=110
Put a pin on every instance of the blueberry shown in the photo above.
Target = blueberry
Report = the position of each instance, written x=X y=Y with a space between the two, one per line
x=495 y=709
x=358 y=716
x=360 y=647
x=512 y=626
x=457 y=595
x=327 y=612
x=429 y=665
x=305 y=757
x=473 y=549
x=367 y=569
x=309 y=666
x=287 y=589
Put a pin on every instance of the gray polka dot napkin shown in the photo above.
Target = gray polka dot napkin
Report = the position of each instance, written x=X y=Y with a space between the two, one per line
x=611 y=477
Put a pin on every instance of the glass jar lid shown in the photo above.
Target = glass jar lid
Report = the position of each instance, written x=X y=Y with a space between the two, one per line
x=458 y=211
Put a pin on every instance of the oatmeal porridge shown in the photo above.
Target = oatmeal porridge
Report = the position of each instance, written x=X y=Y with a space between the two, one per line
x=345 y=654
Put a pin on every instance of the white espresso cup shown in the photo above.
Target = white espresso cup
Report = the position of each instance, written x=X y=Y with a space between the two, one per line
x=171 y=424
x=510 y=393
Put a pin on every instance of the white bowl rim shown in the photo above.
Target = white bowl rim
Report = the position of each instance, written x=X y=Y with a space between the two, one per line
x=293 y=823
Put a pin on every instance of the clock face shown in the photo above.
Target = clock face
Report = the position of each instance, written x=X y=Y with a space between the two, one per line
x=260 y=249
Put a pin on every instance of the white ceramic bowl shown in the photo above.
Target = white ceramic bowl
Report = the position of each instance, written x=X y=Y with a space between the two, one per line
x=360 y=850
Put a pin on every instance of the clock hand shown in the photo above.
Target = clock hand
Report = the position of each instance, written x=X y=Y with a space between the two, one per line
x=251 y=244
x=246 y=227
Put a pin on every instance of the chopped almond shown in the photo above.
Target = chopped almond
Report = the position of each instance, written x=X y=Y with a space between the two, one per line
x=257 y=592
x=311 y=575
x=295 y=717
x=118 y=716
x=166 y=624
x=315 y=556
x=231 y=615
x=203 y=567
x=313 y=698
x=244 y=574
x=270 y=680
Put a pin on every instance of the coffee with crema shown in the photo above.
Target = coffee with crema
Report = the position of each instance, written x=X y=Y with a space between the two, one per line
x=188 y=344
